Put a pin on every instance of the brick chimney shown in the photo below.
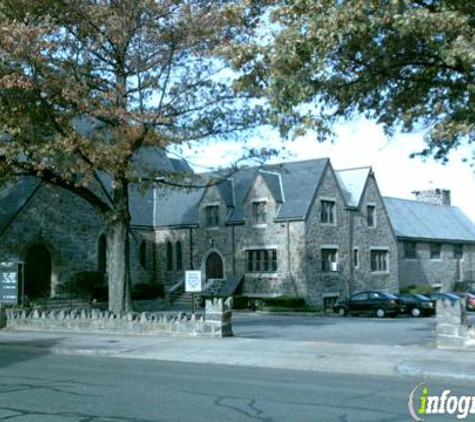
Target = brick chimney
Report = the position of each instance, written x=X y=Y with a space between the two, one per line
x=433 y=196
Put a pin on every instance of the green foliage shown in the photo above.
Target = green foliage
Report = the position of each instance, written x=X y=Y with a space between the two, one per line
x=240 y=302
x=87 y=285
x=147 y=291
x=284 y=302
x=409 y=65
x=419 y=288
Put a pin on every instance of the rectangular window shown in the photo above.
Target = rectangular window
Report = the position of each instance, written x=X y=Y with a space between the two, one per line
x=261 y=261
x=329 y=260
x=371 y=215
x=327 y=214
x=212 y=216
x=435 y=249
x=356 y=258
x=410 y=250
x=259 y=212
x=379 y=260
x=458 y=251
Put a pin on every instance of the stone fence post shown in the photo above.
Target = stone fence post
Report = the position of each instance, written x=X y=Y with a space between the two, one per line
x=452 y=328
x=219 y=313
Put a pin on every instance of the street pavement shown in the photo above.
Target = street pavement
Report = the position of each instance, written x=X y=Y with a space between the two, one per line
x=414 y=360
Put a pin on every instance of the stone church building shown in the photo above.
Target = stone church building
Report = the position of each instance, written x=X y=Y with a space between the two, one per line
x=295 y=229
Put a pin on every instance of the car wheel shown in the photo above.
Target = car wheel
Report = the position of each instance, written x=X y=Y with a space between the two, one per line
x=380 y=313
x=342 y=312
x=416 y=312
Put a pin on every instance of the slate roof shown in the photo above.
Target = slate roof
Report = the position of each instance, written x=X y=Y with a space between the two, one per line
x=13 y=197
x=291 y=184
x=418 y=220
x=352 y=182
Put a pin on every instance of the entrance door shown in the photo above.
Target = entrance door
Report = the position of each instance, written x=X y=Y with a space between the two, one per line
x=38 y=273
x=214 y=266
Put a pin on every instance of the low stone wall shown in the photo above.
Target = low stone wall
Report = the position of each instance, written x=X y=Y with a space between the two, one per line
x=453 y=331
x=216 y=322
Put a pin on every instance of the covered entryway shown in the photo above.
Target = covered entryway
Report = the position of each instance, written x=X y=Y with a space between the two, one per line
x=37 y=272
x=214 y=266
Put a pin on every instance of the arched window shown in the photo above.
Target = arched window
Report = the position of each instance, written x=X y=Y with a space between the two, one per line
x=101 y=254
x=143 y=254
x=169 y=256
x=179 y=257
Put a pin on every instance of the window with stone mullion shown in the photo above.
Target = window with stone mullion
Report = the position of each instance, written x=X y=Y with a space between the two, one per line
x=259 y=211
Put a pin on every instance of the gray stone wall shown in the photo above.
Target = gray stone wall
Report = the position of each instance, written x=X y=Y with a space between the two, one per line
x=379 y=236
x=441 y=273
x=217 y=321
x=322 y=235
x=66 y=225
x=232 y=241
x=69 y=228
x=162 y=236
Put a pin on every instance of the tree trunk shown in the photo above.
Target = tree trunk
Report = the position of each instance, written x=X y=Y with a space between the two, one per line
x=118 y=248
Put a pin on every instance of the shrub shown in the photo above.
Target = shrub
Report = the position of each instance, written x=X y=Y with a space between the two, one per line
x=87 y=285
x=284 y=302
x=147 y=291
x=240 y=302
x=417 y=288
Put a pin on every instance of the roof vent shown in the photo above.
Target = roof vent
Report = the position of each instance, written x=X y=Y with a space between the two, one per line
x=433 y=196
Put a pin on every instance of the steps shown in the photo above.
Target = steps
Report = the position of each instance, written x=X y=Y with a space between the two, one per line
x=183 y=303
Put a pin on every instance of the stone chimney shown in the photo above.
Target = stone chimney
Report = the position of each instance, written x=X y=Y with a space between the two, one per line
x=433 y=196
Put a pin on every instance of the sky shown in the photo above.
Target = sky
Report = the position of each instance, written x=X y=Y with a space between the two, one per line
x=361 y=143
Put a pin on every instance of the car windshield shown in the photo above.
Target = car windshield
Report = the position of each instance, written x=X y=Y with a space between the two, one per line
x=421 y=297
x=452 y=296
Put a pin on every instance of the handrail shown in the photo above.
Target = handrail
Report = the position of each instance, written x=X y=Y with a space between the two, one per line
x=176 y=286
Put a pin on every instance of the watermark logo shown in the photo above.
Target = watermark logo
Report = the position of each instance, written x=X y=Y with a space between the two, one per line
x=422 y=402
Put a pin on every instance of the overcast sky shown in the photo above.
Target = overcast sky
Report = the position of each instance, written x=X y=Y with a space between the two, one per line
x=362 y=143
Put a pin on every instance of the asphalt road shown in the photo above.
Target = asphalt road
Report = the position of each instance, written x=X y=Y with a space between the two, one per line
x=37 y=388
x=387 y=331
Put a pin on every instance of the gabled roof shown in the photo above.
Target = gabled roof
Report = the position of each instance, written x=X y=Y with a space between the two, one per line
x=422 y=221
x=14 y=197
x=352 y=183
x=293 y=185
x=176 y=207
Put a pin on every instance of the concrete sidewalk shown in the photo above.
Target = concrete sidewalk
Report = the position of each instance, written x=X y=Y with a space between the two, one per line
x=416 y=361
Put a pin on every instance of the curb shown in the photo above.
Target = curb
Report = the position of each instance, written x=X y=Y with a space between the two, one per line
x=420 y=371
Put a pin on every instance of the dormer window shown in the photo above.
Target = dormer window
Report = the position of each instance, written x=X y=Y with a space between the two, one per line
x=259 y=212
x=212 y=215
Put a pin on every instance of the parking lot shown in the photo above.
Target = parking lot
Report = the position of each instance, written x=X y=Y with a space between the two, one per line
x=402 y=330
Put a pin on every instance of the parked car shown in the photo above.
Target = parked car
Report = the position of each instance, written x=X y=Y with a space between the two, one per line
x=377 y=303
x=417 y=305
x=444 y=296
x=469 y=300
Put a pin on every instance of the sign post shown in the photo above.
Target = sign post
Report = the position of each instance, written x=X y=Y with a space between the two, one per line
x=193 y=284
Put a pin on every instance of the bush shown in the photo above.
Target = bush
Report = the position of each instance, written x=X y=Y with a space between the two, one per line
x=284 y=302
x=87 y=285
x=147 y=291
x=240 y=302
x=417 y=288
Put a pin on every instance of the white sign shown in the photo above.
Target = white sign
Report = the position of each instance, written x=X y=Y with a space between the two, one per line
x=193 y=281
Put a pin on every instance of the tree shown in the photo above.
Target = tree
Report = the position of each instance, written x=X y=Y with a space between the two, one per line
x=408 y=64
x=86 y=85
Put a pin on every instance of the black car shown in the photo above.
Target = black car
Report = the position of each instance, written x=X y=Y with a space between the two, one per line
x=417 y=305
x=377 y=303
